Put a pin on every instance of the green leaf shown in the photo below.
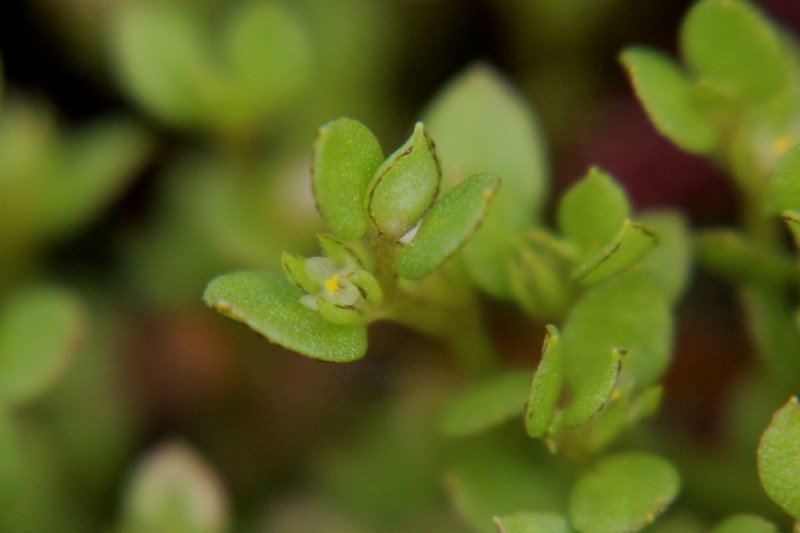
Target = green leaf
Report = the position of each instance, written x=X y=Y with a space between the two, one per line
x=529 y=522
x=791 y=219
x=785 y=183
x=592 y=211
x=545 y=387
x=591 y=393
x=742 y=259
x=624 y=492
x=481 y=124
x=269 y=53
x=628 y=312
x=631 y=243
x=172 y=489
x=270 y=305
x=733 y=48
x=669 y=263
x=162 y=62
x=668 y=97
x=346 y=157
x=40 y=329
x=778 y=458
x=295 y=269
x=539 y=275
x=486 y=404
x=745 y=523
x=448 y=226
x=405 y=186
x=619 y=414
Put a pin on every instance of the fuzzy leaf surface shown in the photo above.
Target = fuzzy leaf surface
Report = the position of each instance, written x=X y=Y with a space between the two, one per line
x=624 y=493
x=529 y=522
x=346 y=156
x=448 y=226
x=545 y=386
x=668 y=97
x=779 y=458
x=632 y=243
x=270 y=305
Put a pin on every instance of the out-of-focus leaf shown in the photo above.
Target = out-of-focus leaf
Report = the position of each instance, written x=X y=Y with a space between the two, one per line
x=448 y=226
x=785 y=183
x=632 y=242
x=39 y=331
x=745 y=523
x=627 y=313
x=346 y=156
x=269 y=54
x=668 y=96
x=486 y=404
x=792 y=220
x=669 y=263
x=774 y=331
x=270 y=305
x=481 y=125
x=405 y=186
x=592 y=211
x=619 y=414
x=730 y=253
x=173 y=489
x=545 y=387
x=734 y=49
x=527 y=522
x=624 y=492
x=539 y=275
x=779 y=460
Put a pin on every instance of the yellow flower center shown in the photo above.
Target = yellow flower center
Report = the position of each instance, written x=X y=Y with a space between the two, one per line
x=332 y=284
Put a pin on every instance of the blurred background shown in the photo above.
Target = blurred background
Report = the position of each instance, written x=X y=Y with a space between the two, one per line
x=147 y=146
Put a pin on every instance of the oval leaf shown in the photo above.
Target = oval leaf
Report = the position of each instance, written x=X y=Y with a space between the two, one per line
x=405 y=186
x=667 y=95
x=486 y=404
x=448 y=226
x=670 y=262
x=477 y=102
x=779 y=460
x=745 y=523
x=346 y=156
x=592 y=211
x=545 y=387
x=39 y=331
x=531 y=523
x=785 y=183
x=631 y=243
x=624 y=493
x=270 y=305
x=734 y=49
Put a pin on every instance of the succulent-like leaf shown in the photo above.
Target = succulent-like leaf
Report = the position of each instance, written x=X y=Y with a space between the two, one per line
x=779 y=458
x=785 y=183
x=631 y=244
x=667 y=95
x=592 y=211
x=346 y=156
x=530 y=522
x=539 y=275
x=270 y=305
x=486 y=404
x=670 y=262
x=745 y=523
x=448 y=226
x=734 y=49
x=40 y=329
x=405 y=186
x=590 y=393
x=295 y=269
x=545 y=387
x=482 y=125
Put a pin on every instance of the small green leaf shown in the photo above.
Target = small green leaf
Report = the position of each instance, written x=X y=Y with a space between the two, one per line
x=346 y=156
x=785 y=183
x=406 y=185
x=624 y=492
x=745 y=523
x=529 y=522
x=590 y=393
x=270 y=305
x=545 y=387
x=627 y=312
x=668 y=96
x=733 y=48
x=368 y=285
x=40 y=329
x=539 y=275
x=779 y=458
x=791 y=218
x=481 y=124
x=295 y=269
x=592 y=211
x=172 y=489
x=337 y=314
x=670 y=262
x=735 y=256
x=619 y=414
x=632 y=242
x=486 y=404
x=269 y=54
x=448 y=226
